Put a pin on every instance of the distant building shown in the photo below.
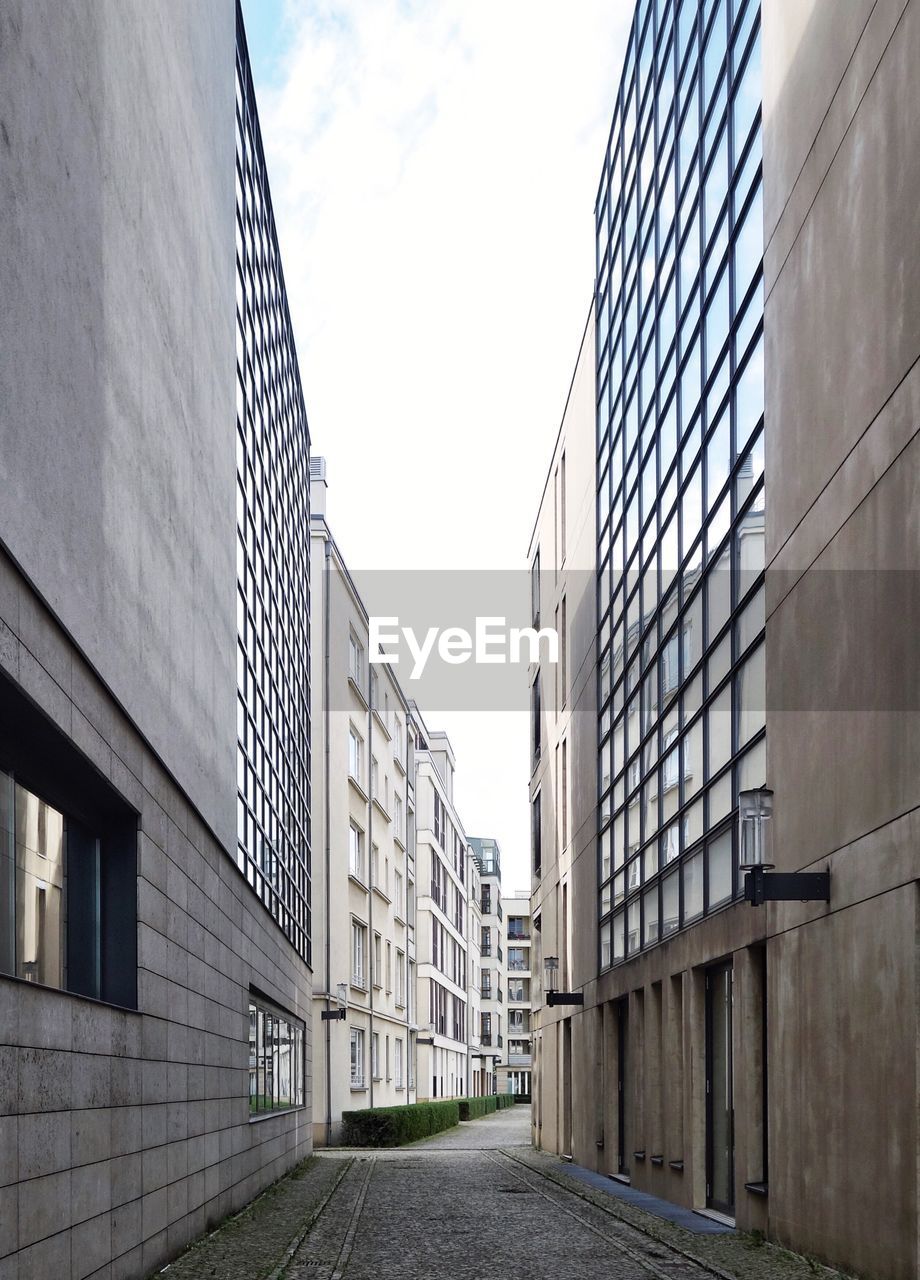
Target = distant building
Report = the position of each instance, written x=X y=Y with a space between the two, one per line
x=446 y=956
x=491 y=944
x=514 y=1069
x=364 y=876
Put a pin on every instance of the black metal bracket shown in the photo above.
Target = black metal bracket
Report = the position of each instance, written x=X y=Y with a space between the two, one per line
x=564 y=997
x=332 y=1015
x=786 y=886
x=429 y=1041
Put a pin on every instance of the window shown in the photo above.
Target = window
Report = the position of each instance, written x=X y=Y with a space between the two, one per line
x=355 y=659
x=355 y=753
x=563 y=657
x=378 y=967
x=357 y=1058
x=400 y=907
x=397 y=738
x=562 y=508
x=358 y=954
x=535 y=590
x=400 y=979
x=68 y=888
x=536 y=716
x=375 y=1056
x=386 y=876
x=535 y=835
x=375 y=777
x=398 y=1051
x=375 y=863
x=565 y=793
x=387 y=1047
x=355 y=851
x=389 y=968
x=398 y=817
x=375 y=687
x=276 y=1059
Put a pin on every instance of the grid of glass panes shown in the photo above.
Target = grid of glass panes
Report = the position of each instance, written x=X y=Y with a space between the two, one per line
x=276 y=1060
x=679 y=316
x=273 y=589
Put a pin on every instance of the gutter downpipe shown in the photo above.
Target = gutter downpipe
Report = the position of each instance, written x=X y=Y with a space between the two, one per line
x=327 y=837
x=370 y=869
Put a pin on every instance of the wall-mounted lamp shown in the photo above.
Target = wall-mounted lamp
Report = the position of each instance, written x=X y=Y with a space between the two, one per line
x=554 y=997
x=333 y=1015
x=429 y=1035
x=762 y=883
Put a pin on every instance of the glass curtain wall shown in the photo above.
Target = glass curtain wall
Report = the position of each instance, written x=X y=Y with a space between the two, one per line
x=680 y=457
x=273 y=586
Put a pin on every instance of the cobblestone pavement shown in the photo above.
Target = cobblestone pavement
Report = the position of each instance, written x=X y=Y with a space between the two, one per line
x=471 y=1204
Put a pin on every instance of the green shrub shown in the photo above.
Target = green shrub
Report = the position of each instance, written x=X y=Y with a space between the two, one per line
x=505 y=1100
x=393 y=1126
x=476 y=1108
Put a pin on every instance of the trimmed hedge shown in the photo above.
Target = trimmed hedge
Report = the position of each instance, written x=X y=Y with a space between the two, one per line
x=392 y=1126
x=476 y=1108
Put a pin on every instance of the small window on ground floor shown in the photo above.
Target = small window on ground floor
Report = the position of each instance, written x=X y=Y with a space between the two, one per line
x=276 y=1059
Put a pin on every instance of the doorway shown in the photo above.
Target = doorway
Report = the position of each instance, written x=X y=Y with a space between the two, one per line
x=623 y=1163
x=720 y=1112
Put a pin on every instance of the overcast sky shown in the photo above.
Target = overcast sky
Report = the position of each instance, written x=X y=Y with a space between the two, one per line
x=433 y=166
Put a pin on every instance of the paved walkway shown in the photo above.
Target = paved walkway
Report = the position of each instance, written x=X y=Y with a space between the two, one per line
x=475 y=1203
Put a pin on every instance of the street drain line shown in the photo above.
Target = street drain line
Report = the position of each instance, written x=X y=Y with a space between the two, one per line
x=308 y=1227
x=617 y=1244
x=709 y=1267
x=349 y=1242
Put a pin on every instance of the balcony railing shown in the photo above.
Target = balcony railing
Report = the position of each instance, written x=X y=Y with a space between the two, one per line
x=517 y=935
x=500 y=1041
x=485 y=1040
x=486 y=949
x=518 y=1059
x=486 y=993
x=518 y=966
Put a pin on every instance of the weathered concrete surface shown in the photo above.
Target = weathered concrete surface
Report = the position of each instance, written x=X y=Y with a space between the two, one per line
x=117 y=355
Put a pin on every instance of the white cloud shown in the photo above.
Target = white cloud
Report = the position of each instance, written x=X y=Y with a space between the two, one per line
x=434 y=165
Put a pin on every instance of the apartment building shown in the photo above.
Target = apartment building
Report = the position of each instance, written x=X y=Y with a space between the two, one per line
x=487 y=854
x=364 y=876
x=514 y=1071
x=563 y=792
x=444 y=952
x=749 y=1061
x=155 y=927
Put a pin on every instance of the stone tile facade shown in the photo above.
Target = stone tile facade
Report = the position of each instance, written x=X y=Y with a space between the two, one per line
x=123 y=1134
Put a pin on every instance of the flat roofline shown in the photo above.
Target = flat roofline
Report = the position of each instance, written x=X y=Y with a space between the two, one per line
x=565 y=409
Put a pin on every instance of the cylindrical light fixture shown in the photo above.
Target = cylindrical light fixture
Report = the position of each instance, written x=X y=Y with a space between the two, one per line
x=755 y=811
x=550 y=969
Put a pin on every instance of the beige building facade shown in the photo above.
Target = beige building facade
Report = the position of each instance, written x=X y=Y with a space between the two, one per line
x=364 y=872
x=487 y=854
x=514 y=1072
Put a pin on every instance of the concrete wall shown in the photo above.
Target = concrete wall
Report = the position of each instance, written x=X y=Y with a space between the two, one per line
x=123 y=1135
x=842 y=176
x=117 y=340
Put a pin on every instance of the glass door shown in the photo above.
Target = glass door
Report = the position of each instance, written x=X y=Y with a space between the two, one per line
x=720 y=1115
